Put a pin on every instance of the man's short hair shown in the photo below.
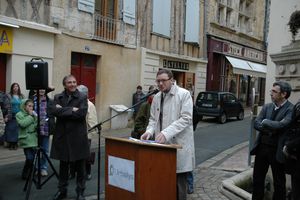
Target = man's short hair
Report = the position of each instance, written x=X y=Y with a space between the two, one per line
x=66 y=77
x=284 y=87
x=165 y=71
x=139 y=87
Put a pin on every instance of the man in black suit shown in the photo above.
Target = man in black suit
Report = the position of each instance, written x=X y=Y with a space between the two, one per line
x=271 y=122
x=292 y=152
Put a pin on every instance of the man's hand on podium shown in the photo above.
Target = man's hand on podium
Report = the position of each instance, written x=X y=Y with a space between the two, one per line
x=146 y=136
x=160 y=138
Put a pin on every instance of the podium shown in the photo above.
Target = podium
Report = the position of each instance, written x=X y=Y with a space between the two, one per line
x=139 y=171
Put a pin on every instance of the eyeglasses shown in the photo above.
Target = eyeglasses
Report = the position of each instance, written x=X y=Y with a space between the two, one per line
x=162 y=80
x=274 y=91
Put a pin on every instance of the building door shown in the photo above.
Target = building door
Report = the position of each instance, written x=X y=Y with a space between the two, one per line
x=2 y=72
x=84 y=68
x=185 y=80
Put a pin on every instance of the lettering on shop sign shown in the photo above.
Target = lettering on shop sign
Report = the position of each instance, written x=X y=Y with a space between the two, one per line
x=175 y=65
x=5 y=40
x=121 y=173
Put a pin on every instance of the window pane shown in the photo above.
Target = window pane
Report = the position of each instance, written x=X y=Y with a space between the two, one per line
x=89 y=60
x=75 y=59
x=161 y=17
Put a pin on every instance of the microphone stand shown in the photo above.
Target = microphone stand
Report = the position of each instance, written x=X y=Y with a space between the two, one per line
x=99 y=127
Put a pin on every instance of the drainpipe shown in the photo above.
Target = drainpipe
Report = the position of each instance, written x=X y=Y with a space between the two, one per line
x=205 y=29
x=266 y=23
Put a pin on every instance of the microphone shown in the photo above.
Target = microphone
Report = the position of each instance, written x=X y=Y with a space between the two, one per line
x=150 y=94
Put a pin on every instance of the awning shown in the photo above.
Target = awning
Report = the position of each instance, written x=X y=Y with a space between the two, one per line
x=244 y=67
x=259 y=68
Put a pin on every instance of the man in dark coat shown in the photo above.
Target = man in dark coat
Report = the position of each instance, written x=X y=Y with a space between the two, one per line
x=292 y=152
x=70 y=141
x=137 y=97
x=271 y=122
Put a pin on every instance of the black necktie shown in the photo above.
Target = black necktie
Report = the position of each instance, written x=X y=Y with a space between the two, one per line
x=161 y=111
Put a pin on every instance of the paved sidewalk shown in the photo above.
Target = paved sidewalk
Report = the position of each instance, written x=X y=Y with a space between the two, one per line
x=209 y=175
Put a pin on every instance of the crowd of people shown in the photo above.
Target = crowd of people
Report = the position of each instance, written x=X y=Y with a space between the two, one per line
x=166 y=116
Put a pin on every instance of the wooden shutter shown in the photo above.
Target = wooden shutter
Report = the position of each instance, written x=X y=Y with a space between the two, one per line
x=192 y=19
x=129 y=11
x=161 y=17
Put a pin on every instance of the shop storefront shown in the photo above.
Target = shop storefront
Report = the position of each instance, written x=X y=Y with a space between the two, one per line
x=236 y=68
x=189 y=73
x=20 y=42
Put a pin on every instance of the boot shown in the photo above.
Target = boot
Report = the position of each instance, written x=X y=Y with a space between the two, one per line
x=80 y=194
x=60 y=195
x=26 y=169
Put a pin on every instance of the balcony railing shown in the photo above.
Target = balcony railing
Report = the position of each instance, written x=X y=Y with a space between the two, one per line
x=109 y=30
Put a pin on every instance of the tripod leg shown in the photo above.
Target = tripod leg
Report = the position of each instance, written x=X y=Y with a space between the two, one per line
x=26 y=169
x=30 y=178
x=31 y=172
x=50 y=163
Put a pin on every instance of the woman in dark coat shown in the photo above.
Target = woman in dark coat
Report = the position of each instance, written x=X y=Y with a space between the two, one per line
x=70 y=141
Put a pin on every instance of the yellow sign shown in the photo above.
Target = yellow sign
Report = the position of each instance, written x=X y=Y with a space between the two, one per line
x=6 y=40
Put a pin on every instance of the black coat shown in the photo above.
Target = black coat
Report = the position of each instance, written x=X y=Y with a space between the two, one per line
x=292 y=142
x=70 y=141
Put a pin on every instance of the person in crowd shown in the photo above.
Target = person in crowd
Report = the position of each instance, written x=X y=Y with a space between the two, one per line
x=4 y=106
x=171 y=122
x=27 y=121
x=91 y=119
x=142 y=118
x=151 y=89
x=47 y=123
x=271 y=122
x=70 y=141
x=190 y=175
x=137 y=97
x=291 y=150
x=11 y=129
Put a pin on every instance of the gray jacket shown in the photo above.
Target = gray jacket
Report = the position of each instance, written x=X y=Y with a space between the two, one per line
x=276 y=127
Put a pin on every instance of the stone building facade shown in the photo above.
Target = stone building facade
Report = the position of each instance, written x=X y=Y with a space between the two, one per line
x=283 y=53
x=236 y=47
x=111 y=45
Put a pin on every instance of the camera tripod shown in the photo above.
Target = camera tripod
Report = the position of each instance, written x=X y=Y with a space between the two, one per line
x=37 y=160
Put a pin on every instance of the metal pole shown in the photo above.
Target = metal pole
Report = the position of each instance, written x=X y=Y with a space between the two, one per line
x=252 y=135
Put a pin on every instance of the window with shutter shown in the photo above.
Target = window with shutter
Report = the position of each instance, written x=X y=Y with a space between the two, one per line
x=192 y=19
x=129 y=11
x=161 y=17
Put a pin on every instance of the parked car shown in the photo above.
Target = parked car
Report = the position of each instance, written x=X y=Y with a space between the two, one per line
x=222 y=105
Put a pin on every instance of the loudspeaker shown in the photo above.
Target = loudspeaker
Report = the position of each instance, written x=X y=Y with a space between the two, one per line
x=36 y=73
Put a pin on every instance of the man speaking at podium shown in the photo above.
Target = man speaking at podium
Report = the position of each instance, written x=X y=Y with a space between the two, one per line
x=171 y=123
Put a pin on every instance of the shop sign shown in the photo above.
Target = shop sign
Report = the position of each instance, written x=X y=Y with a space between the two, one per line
x=6 y=40
x=121 y=173
x=254 y=55
x=171 y=64
x=232 y=49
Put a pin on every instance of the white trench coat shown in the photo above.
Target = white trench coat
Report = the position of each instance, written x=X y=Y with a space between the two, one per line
x=177 y=124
